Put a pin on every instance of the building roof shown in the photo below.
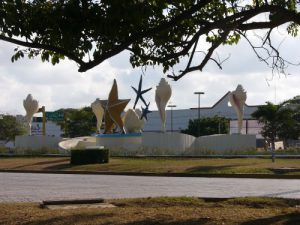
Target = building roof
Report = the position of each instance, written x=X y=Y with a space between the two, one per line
x=220 y=100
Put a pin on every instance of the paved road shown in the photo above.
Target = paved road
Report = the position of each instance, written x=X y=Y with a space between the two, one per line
x=38 y=187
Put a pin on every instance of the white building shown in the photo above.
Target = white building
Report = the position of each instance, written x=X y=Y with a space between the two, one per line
x=181 y=117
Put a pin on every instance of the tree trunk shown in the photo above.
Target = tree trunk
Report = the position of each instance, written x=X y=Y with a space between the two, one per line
x=273 y=149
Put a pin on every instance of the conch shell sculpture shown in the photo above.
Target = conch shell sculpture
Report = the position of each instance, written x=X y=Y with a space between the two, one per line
x=31 y=106
x=99 y=113
x=132 y=121
x=162 y=96
x=237 y=99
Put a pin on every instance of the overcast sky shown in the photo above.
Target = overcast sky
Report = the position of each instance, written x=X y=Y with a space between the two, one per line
x=61 y=86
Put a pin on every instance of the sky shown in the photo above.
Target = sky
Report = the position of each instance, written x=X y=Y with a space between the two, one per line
x=61 y=86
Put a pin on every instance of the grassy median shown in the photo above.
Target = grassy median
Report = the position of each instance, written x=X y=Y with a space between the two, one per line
x=168 y=211
x=159 y=165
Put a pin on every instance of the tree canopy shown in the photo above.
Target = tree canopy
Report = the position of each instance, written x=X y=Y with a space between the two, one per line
x=78 y=122
x=10 y=127
x=207 y=126
x=155 y=32
x=280 y=121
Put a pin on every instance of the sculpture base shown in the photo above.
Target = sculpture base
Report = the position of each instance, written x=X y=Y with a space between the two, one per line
x=119 y=142
x=223 y=143
x=36 y=142
x=150 y=143
x=165 y=143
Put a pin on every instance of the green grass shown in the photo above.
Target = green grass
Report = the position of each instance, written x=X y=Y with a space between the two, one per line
x=156 y=165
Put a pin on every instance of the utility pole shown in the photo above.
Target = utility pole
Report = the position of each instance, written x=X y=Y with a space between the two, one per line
x=172 y=106
x=199 y=93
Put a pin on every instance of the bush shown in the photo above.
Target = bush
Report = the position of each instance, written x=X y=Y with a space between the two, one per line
x=89 y=156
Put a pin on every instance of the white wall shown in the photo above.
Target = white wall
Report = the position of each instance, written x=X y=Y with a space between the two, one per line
x=224 y=143
x=36 y=142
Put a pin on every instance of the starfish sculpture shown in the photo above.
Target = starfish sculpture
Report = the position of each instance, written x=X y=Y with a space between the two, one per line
x=145 y=111
x=139 y=93
x=113 y=110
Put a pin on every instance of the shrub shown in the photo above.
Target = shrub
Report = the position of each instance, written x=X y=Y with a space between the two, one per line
x=89 y=156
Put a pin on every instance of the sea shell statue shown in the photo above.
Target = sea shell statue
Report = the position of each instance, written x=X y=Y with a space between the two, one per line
x=99 y=113
x=237 y=99
x=162 y=96
x=31 y=106
x=132 y=122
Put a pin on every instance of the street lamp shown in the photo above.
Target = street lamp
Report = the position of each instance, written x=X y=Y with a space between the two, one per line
x=199 y=93
x=172 y=106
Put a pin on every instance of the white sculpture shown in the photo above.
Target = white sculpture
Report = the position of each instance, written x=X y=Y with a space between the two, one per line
x=162 y=96
x=237 y=99
x=99 y=112
x=132 y=121
x=31 y=106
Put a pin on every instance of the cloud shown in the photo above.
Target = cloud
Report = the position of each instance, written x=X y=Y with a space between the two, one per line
x=61 y=86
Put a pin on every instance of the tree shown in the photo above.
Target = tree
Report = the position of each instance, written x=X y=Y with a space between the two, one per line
x=279 y=121
x=79 y=122
x=9 y=128
x=156 y=32
x=207 y=126
x=290 y=126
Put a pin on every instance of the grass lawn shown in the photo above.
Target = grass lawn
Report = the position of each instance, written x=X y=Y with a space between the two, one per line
x=168 y=211
x=156 y=165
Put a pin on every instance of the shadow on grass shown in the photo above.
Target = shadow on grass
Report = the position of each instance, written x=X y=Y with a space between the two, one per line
x=286 y=219
x=93 y=218
x=284 y=170
x=41 y=163
x=209 y=169
x=59 y=166
x=199 y=221
x=70 y=219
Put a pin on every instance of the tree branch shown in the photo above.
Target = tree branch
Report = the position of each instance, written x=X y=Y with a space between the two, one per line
x=207 y=57
x=43 y=46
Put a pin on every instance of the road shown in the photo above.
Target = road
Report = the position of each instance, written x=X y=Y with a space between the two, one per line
x=30 y=187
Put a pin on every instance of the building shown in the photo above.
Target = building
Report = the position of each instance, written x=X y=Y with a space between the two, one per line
x=180 y=118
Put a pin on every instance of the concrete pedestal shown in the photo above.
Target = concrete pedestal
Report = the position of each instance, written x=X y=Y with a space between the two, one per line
x=120 y=144
x=223 y=143
x=36 y=142
x=165 y=143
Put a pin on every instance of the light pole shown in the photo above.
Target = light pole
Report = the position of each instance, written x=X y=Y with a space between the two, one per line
x=199 y=93
x=219 y=123
x=172 y=106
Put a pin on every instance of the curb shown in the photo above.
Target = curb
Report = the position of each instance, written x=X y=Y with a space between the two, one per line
x=44 y=204
x=254 y=176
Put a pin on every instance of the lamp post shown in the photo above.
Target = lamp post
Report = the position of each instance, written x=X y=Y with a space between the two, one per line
x=199 y=93
x=172 y=106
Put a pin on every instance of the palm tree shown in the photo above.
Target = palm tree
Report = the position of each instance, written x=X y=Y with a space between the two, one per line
x=280 y=121
x=268 y=115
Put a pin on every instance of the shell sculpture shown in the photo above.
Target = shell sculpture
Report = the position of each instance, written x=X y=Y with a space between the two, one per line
x=237 y=99
x=98 y=110
x=162 y=96
x=31 y=107
x=132 y=122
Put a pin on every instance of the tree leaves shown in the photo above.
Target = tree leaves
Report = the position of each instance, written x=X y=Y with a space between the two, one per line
x=279 y=121
x=9 y=128
x=155 y=32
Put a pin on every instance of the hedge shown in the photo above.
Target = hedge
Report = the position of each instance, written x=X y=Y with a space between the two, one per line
x=89 y=156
